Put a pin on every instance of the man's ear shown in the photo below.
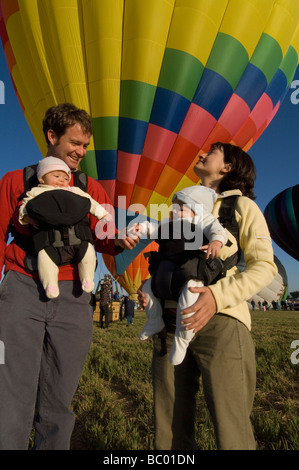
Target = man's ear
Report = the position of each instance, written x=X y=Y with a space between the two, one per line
x=52 y=137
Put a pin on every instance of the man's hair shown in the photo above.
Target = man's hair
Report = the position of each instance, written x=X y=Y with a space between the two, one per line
x=242 y=175
x=64 y=115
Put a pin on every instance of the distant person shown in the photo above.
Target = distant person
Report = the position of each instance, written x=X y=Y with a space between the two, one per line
x=129 y=310
x=253 y=304
x=105 y=299
x=121 y=308
x=116 y=296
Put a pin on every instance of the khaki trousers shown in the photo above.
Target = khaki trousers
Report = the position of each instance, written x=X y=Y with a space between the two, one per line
x=222 y=353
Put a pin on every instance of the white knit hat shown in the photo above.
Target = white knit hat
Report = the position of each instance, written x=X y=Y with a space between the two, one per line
x=196 y=196
x=48 y=164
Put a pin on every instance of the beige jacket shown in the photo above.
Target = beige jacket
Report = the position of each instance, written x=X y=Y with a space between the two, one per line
x=232 y=292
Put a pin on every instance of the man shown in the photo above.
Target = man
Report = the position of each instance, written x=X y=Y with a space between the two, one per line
x=105 y=298
x=129 y=310
x=46 y=341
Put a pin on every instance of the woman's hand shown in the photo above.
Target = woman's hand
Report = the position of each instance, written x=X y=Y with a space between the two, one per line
x=141 y=296
x=204 y=308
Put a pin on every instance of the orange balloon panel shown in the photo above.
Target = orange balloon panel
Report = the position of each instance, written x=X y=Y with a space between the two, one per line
x=136 y=272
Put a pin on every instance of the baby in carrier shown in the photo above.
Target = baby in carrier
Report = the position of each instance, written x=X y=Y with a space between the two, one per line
x=180 y=264
x=58 y=214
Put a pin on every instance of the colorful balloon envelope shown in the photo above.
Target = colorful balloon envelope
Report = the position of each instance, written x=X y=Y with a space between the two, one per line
x=136 y=272
x=282 y=215
x=161 y=79
x=276 y=290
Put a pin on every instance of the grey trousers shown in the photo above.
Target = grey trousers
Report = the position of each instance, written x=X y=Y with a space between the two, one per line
x=223 y=354
x=45 y=344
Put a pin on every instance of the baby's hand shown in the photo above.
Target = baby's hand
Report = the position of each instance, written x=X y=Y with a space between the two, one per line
x=28 y=220
x=107 y=218
x=134 y=231
x=212 y=248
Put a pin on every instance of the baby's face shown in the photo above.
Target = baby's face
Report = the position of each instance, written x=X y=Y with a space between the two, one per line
x=180 y=210
x=57 y=178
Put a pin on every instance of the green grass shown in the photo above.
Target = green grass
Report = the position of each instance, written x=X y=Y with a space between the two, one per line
x=113 y=403
x=275 y=414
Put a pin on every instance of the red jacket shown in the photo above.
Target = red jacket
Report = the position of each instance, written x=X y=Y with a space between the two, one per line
x=12 y=256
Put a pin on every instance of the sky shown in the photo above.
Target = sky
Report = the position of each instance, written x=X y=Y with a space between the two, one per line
x=275 y=154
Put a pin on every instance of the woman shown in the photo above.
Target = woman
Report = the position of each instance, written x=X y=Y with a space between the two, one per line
x=222 y=351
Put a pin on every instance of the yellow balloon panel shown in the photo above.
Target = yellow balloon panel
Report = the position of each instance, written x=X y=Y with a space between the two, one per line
x=246 y=20
x=144 y=39
x=282 y=23
x=103 y=28
x=195 y=25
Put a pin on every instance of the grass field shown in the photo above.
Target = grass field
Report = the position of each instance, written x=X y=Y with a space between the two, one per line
x=113 y=403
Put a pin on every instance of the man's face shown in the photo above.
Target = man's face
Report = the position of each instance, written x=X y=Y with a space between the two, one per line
x=71 y=147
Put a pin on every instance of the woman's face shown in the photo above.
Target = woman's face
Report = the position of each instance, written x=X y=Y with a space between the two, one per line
x=212 y=164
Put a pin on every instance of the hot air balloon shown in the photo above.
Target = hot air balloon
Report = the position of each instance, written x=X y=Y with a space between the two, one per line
x=276 y=290
x=136 y=272
x=161 y=79
x=282 y=216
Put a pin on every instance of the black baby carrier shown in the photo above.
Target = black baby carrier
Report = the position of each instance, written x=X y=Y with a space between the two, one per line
x=64 y=231
x=171 y=267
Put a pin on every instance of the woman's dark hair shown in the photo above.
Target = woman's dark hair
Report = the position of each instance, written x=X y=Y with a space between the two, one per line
x=64 y=115
x=242 y=175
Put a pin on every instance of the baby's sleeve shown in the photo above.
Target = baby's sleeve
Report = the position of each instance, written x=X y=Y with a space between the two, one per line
x=213 y=230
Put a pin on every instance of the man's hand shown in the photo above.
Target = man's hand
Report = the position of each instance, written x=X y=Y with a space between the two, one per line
x=204 y=308
x=126 y=241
